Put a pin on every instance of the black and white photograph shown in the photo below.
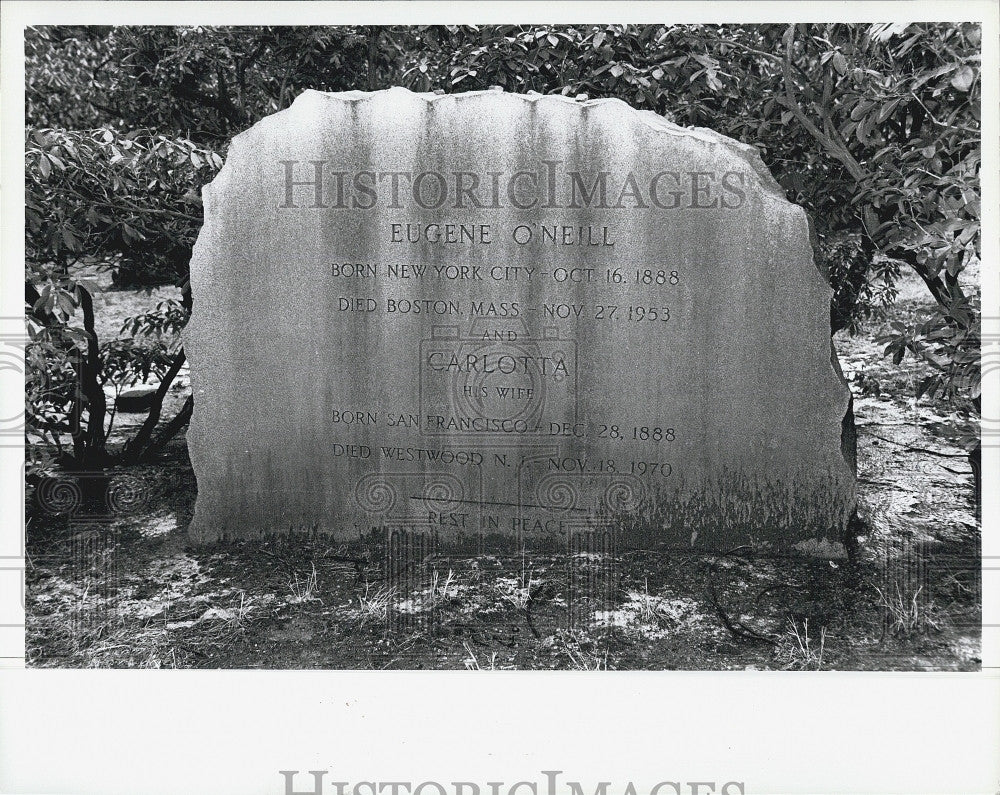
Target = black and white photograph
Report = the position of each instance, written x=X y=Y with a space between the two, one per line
x=524 y=346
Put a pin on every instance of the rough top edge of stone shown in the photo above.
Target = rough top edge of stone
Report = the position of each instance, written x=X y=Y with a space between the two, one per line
x=745 y=152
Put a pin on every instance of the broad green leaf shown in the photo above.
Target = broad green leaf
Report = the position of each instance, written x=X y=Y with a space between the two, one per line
x=69 y=238
x=888 y=108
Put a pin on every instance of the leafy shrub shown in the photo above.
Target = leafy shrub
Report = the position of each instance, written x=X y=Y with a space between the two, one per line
x=131 y=199
x=94 y=200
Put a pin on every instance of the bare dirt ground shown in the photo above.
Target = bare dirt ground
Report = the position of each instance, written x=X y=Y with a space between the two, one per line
x=127 y=590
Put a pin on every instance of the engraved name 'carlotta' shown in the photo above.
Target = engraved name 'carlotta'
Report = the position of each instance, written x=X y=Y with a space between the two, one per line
x=323 y=184
x=496 y=363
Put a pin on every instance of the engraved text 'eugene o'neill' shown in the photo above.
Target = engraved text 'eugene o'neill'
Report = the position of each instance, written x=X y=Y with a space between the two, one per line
x=319 y=184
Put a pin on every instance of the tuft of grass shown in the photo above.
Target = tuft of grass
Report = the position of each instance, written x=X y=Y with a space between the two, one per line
x=587 y=661
x=517 y=596
x=472 y=662
x=906 y=617
x=798 y=651
x=442 y=591
x=305 y=590
x=518 y=592
x=579 y=649
x=239 y=620
x=375 y=604
x=649 y=609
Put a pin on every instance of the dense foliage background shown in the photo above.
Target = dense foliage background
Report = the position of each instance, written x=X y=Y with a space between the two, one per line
x=875 y=129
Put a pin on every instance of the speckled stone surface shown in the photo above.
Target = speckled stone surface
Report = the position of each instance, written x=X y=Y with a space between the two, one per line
x=505 y=318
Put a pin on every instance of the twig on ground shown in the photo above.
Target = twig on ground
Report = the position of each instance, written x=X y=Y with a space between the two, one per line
x=918 y=449
x=738 y=629
x=774 y=587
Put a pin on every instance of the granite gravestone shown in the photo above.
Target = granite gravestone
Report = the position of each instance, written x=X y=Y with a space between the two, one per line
x=500 y=318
